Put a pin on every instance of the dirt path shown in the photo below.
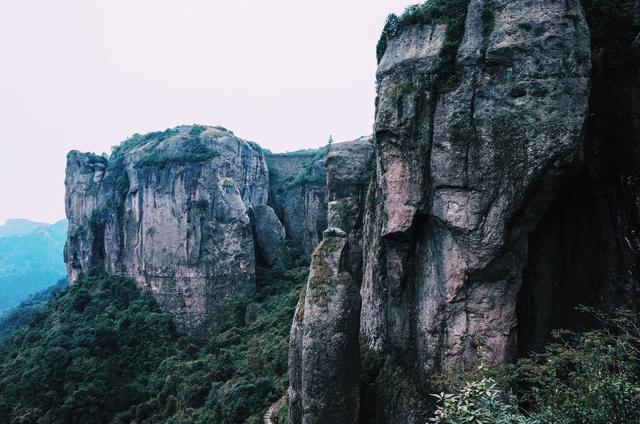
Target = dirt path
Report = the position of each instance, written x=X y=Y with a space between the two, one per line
x=271 y=412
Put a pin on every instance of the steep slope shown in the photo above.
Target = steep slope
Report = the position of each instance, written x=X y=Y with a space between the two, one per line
x=30 y=262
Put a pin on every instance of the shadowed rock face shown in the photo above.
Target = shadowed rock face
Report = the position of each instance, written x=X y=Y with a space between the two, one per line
x=324 y=347
x=464 y=175
x=170 y=212
x=298 y=195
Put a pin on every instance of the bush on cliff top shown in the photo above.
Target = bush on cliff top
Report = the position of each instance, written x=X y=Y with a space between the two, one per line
x=450 y=12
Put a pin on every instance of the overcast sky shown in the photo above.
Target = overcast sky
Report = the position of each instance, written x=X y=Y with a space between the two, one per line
x=86 y=74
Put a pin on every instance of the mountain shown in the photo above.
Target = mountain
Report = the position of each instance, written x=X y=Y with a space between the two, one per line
x=31 y=261
x=497 y=201
x=18 y=226
x=189 y=212
x=504 y=195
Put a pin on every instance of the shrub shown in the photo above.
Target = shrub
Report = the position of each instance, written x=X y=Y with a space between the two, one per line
x=587 y=378
x=479 y=402
x=192 y=151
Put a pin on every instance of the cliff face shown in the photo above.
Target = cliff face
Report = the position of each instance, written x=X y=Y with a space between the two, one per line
x=464 y=175
x=504 y=193
x=170 y=211
x=297 y=193
x=183 y=212
x=323 y=345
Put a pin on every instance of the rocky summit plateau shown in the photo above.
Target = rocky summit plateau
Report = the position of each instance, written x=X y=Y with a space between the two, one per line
x=497 y=200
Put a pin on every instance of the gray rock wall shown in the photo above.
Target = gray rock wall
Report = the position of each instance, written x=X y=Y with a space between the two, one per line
x=464 y=173
x=324 y=347
x=298 y=194
x=170 y=211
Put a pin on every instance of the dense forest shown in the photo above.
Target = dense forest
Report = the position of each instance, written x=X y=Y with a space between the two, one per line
x=102 y=351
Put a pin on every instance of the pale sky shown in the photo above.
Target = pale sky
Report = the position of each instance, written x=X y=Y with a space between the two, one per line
x=86 y=74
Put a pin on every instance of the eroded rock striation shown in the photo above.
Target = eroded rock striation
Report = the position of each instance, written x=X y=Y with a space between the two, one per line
x=298 y=195
x=504 y=193
x=323 y=346
x=184 y=212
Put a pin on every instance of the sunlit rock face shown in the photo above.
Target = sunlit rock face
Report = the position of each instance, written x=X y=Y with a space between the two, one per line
x=170 y=211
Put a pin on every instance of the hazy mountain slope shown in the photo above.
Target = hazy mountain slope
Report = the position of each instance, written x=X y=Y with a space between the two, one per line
x=14 y=318
x=19 y=226
x=31 y=262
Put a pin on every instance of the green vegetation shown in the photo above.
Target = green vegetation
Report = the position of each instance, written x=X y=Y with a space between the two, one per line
x=193 y=150
x=137 y=140
x=307 y=177
x=87 y=356
x=588 y=378
x=13 y=319
x=102 y=351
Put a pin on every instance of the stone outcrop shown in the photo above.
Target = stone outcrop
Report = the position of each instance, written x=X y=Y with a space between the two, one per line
x=505 y=192
x=170 y=211
x=464 y=175
x=324 y=348
x=298 y=194
x=269 y=233
x=184 y=213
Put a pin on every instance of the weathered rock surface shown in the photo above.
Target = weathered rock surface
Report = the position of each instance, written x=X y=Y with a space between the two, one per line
x=464 y=175
x=505 y=192
x=269 y=233
x=324 y=348
x=185 y=213
x=298 y=195
x=170 y=211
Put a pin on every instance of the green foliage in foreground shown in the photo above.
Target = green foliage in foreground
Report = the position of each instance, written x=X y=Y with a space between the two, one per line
x=103 y=352
x=87 y=356
x=589 y=378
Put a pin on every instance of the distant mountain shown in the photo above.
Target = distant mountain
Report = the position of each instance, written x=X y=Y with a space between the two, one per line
x=30 y=261
x=18 y=227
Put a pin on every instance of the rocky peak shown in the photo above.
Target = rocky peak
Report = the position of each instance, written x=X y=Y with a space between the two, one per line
x=170 y=210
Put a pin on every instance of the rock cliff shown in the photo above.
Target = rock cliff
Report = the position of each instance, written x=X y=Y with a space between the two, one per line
x=184 y=212
x=323 y=345
x=504 y=193
x=297 y=193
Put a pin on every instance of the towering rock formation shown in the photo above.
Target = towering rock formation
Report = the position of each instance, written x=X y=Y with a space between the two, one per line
x=323 y=347
x=505 y=192
x=170 y=210
x=464 y=173
x=183 y=212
